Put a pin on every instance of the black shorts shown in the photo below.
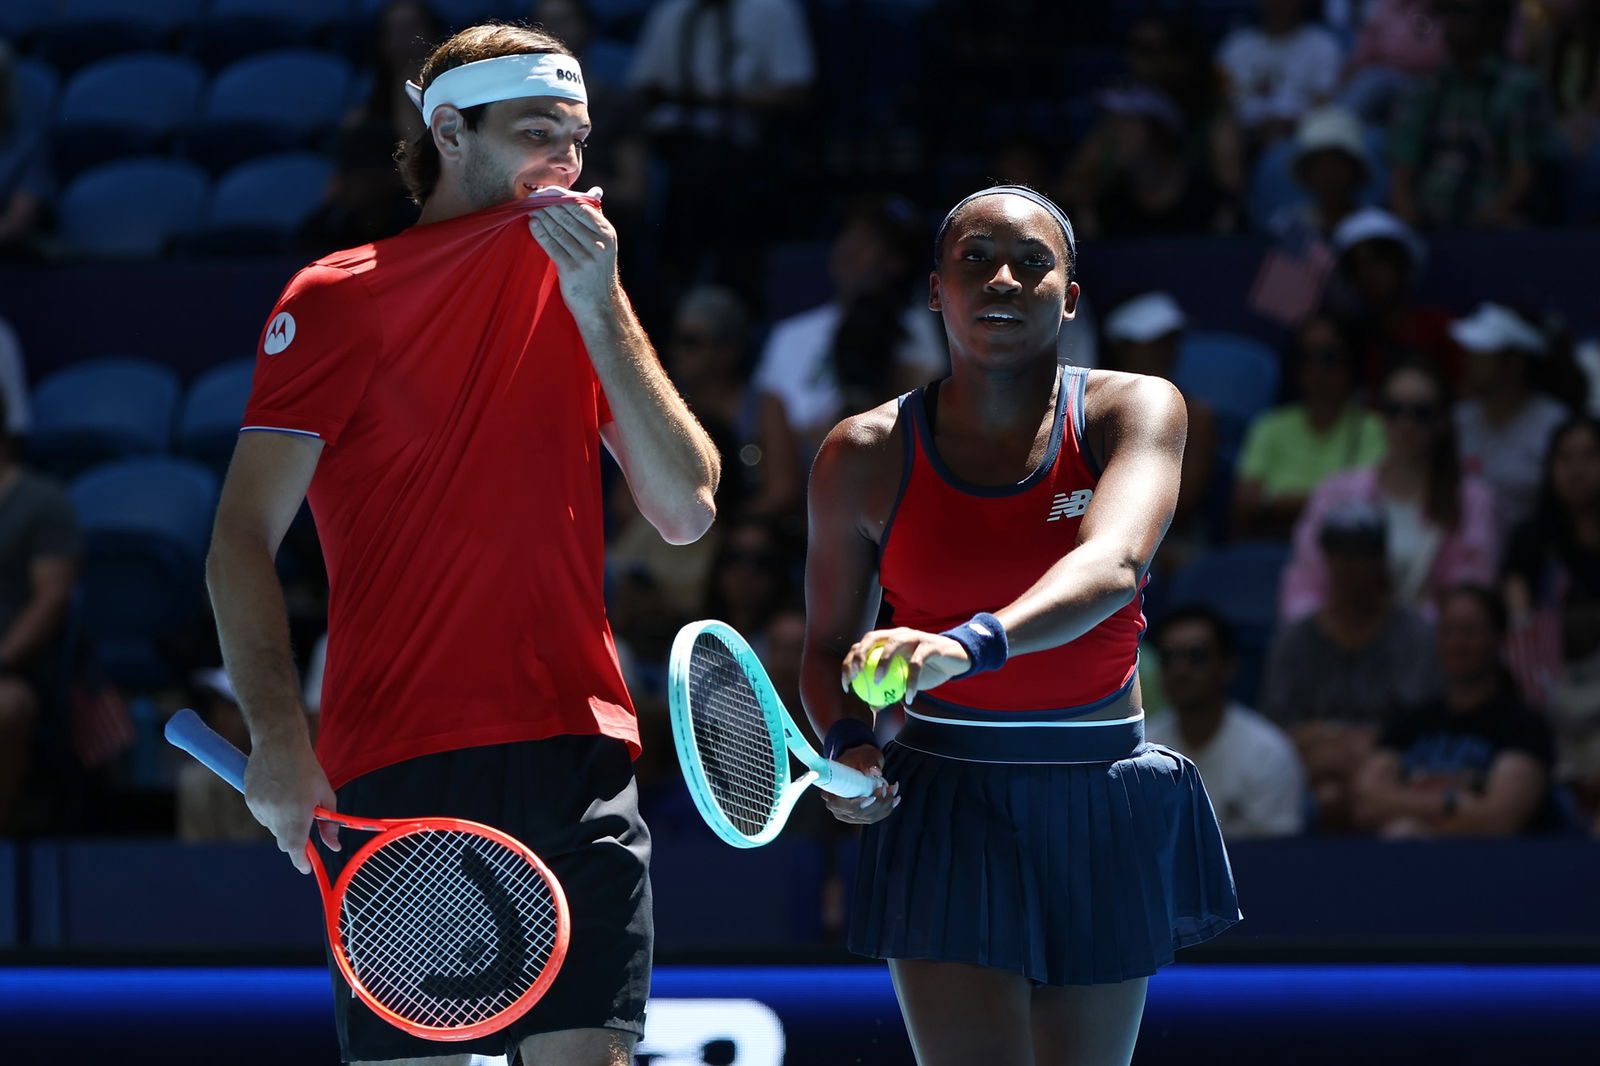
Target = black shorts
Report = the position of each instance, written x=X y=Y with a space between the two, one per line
x=572 y=799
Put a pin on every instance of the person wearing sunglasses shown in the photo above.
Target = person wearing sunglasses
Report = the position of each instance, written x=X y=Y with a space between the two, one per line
x=1441 y=525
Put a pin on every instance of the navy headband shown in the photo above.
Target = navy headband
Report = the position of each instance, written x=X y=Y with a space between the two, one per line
x=1012 y=190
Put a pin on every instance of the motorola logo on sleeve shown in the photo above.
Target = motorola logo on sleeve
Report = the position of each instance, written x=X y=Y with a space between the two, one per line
x=279 y=335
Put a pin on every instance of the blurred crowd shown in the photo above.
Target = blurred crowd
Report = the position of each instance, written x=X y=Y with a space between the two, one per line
x=1418 y=494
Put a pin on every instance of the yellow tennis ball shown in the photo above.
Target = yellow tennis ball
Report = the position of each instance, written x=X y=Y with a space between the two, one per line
x=892 y=689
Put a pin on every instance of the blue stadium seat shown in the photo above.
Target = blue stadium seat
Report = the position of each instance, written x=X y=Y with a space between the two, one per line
x=132 y=207
x=19 y=19
x=1236 y=375
x=606 y=61
x=211 y=413
x=38 y=89
x=1239 y=582
x=123 y=106
x=83 y=31
x=145 y=523
x=272 y=102
x=260 y=205
x=100 y=410
x=232 y=29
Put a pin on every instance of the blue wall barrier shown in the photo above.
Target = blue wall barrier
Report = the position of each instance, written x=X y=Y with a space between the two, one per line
x=1316 y=895
x=800 y=1016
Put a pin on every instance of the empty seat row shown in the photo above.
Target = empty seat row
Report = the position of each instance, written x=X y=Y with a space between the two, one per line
x=123 y=407
x=143 y=207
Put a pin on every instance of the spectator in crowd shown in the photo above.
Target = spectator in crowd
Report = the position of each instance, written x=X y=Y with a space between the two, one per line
x=1560 y=40
x=404 y=32
x=875 y=339
x=1372 y=297
x=1249 y=765
x=708 y=357
x=1469 y=142
x=752 y=578
x=1331 y=163
x=1504 y=426
x=1399 y=42
x=1334 y=675
x=365 y=200
x=1472 y=761
x=716 y=79
x=209 y=809
x=1145 y=184
x=18 y=413
x=1164 y=53
x=1552 y=588
x=25 y=181
x=1142 y=337
x=1290 y=450
x=39 y=548
x=1280 y=69
x=1440 y=524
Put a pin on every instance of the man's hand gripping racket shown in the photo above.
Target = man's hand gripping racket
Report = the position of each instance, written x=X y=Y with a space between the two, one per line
x=446 y=928
x=734 y=738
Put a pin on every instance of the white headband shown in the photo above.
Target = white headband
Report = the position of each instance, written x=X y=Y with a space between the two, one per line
x=503 y=78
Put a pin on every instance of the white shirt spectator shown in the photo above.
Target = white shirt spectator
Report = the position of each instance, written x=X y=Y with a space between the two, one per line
x=1280 y=77
x=735 y=47
x=1250 y=770
x=796 y=364
x=1511 y=457
x=14 y=381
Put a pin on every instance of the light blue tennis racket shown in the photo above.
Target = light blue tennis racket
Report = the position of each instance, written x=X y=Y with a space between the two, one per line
x=734 y=738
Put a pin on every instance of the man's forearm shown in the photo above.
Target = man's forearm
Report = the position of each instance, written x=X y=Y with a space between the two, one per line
x=674 y=467
x=253 y=628
x=31 y=631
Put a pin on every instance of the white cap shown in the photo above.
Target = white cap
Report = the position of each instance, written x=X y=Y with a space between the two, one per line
x=1331 y=127
x=1374 y=223
x=1493 y=328
x=1144 y=318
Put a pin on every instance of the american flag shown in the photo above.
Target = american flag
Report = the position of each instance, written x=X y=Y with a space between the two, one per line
x=1534 y=654
x=1288 y=287
x=101 y=726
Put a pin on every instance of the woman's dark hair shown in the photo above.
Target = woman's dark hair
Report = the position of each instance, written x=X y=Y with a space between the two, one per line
x=1442 y=500
x=419 y=159
x=872 y=325
x=380 y=102
x=1552 y=517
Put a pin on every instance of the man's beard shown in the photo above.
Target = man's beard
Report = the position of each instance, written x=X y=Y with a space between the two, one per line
x=483 y=185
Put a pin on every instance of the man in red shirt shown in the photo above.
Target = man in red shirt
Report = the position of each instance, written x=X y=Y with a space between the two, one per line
x=441 y=397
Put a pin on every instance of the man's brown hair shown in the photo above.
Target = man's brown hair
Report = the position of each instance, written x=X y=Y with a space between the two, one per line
x=419 y=159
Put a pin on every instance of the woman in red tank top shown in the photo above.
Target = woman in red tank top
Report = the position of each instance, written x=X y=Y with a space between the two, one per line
x=1030 y=861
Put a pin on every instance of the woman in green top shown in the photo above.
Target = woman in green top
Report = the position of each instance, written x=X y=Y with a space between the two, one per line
x=1290 y=449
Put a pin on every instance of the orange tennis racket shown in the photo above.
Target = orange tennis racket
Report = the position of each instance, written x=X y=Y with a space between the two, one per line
x=447 y=929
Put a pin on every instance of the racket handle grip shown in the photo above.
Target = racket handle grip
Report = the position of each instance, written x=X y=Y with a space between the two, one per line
x=844 y=781
x=185 y=730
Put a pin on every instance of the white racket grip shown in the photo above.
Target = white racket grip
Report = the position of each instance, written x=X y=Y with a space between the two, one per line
x=843 y=781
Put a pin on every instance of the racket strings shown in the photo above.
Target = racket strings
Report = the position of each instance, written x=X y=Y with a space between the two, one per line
x=447 y=928
x=737 y=750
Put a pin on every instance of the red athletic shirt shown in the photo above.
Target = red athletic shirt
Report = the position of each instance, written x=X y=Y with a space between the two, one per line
x=953 y=549
x=458 y=496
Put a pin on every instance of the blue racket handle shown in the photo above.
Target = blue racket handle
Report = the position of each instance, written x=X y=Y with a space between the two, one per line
x=185 y=730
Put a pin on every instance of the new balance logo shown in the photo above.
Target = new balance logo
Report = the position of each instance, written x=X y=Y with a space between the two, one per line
x=1071 y=505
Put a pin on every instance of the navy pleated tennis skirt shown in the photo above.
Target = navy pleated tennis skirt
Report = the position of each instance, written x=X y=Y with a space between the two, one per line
x=1069 y=874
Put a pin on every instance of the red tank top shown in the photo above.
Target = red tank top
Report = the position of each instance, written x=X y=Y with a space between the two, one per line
x=952 y=549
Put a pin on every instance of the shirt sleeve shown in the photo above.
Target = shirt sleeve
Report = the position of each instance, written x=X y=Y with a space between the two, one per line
x=789 y=59
x=653 y=56
x=54 y=532
x=1255 y=456
x=315 y=357
x=1275 y=799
